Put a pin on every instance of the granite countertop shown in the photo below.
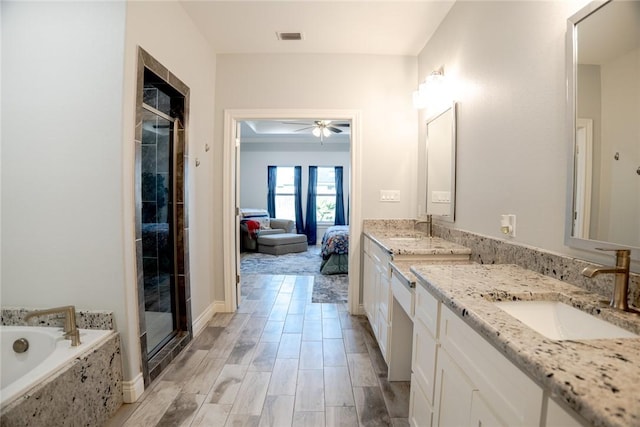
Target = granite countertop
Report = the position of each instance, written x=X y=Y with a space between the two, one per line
x=416 y=243
x=598 y=378
x=403 y=268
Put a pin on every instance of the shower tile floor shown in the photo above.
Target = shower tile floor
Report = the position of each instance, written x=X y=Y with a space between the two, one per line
x=280 y=360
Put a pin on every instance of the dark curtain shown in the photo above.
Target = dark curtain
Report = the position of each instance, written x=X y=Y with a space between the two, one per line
x=297 y=183
x=339 y=218
x=310 y=228
x=272 y=173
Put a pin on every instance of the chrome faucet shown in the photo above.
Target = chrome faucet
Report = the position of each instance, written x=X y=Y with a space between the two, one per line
x=71 y=331
x=428 y=221
x=621 y=283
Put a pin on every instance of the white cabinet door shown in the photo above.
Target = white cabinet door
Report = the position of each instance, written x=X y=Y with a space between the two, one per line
x=454 y=392
x=482 y=415
x=369 y=288
x=423 y=362
x=420 y=411
x=557 y=416
x=509 y=392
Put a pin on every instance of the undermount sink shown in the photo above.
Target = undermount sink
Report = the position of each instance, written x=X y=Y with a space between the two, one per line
x=559 y=321
x=405 y=239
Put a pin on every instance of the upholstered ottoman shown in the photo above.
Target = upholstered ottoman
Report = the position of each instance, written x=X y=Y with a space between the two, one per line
x=284 y=243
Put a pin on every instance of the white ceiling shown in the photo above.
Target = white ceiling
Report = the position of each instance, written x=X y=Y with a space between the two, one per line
x=388 y=27
x=290 y=132
x=351 y=27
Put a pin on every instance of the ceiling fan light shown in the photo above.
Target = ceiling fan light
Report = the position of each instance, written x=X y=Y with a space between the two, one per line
x=326 y=132
x=316 y=131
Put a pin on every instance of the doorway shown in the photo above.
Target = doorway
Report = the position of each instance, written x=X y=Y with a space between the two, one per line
x=161 y=246
x=231 y=199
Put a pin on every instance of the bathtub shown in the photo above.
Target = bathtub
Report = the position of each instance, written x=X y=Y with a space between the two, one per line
x=48 y=353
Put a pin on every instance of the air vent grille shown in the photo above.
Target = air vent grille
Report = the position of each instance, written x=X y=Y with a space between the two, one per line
x=289 y=36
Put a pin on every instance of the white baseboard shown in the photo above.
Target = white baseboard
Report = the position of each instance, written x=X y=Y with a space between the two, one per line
x=132 y=390
x=201 y=322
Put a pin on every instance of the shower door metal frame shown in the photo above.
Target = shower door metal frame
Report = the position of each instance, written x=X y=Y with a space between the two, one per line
x=152 y=367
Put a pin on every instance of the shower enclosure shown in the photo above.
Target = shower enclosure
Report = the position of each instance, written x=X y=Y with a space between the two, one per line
x=161 y=226
x=158 y=214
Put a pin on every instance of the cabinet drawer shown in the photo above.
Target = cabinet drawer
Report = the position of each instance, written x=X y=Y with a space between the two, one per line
x=502 y=385
x=420 y=410
x=426 y=309
x=403 y=295
x=423 y=361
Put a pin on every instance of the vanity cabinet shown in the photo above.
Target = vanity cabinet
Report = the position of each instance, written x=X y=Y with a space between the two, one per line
x=376 y=292
x=423 y=358
x=459 y=379
x=495 y=391
x=390 y=304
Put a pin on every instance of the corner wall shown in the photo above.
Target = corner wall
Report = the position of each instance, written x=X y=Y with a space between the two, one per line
x=379 y=86
x=507 y=60
x=171 y=38
x=62 y=77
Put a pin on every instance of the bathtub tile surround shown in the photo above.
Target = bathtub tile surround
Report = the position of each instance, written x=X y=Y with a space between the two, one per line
x=487 y=250
x=85 y=319
x=86 y=392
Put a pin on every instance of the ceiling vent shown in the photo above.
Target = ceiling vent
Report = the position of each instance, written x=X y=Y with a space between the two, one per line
x=289 y=36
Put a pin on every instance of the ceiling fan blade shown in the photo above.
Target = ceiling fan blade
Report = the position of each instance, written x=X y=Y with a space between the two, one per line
x=342 y=125
x=334 y=129
x=300 y=130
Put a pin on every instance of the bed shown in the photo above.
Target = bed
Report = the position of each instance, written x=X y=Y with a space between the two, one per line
x=335 y=250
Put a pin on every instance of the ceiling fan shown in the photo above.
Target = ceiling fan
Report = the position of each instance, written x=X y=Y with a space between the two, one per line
x=323 y=128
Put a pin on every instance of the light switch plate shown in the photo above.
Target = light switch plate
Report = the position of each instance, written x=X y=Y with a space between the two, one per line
x=389 y=195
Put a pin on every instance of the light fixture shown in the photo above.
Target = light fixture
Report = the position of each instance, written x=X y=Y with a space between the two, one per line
x=321 y=129
x=433 y=92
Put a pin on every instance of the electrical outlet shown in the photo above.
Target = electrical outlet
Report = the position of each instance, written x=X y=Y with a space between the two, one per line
x=508 y=225
x=389 y=195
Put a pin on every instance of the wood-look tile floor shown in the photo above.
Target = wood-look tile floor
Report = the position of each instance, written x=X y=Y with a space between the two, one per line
x=278 y=361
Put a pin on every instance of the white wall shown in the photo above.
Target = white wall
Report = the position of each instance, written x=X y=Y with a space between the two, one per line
x=62 y=221
x=507 y=60
x=165 y=31
x=67 y=145
x=379 y=86
x=253 y=171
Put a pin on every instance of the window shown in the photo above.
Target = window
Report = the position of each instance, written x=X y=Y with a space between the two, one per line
x=326 y=195
x=285 y=191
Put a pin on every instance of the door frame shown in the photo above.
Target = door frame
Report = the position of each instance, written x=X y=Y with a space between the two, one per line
x=230 y=182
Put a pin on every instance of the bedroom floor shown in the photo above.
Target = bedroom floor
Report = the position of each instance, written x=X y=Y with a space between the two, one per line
x=280 y=360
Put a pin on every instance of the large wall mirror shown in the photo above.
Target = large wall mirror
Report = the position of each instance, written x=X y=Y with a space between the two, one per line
x=441 y=165
x=603 y=77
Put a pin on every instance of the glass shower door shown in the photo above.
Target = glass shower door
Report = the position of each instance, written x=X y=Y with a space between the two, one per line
x=158 y=226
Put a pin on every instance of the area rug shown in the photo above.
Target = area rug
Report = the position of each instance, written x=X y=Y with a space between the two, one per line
x=300 y=263
x=326 y=288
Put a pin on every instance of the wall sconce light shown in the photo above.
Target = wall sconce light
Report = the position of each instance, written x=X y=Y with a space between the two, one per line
x=433 y=92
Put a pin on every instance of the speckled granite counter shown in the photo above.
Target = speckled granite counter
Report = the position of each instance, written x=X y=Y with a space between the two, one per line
x=414 y=243
x=406 y=276
x=599 y=379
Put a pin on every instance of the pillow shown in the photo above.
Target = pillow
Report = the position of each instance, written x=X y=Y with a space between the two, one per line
x=265 y=223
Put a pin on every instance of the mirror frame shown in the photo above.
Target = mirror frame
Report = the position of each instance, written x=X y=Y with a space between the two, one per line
x=454 y=139
x=571 y=82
